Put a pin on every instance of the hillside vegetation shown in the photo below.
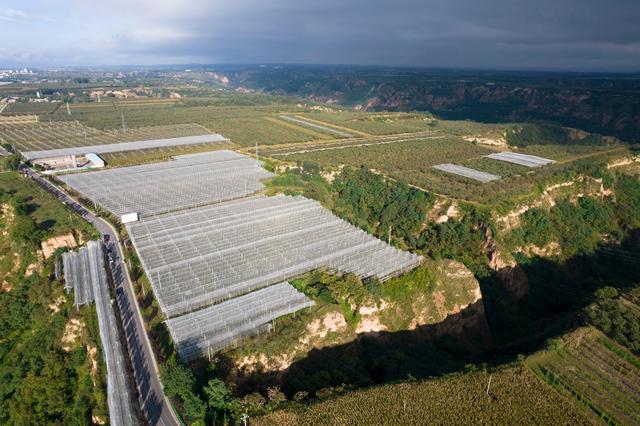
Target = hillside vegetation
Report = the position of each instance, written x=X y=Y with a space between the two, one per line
x=51 y=368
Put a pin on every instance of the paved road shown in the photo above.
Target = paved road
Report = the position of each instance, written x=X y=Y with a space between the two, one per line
x=122 y=407
x=155 y=406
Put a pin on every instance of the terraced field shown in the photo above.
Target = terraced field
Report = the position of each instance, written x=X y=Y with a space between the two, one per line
x=597 y=372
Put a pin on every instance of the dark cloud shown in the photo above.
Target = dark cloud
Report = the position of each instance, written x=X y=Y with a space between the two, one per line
x=540 y=34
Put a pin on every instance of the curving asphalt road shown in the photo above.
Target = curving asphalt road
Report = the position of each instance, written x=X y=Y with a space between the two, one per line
x=153 y=402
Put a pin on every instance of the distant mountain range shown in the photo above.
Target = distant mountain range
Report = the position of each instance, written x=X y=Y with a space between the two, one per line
x=608 y=104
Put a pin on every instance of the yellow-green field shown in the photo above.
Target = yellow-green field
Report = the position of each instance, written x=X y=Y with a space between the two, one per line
x=596 y=372
x=516 y=396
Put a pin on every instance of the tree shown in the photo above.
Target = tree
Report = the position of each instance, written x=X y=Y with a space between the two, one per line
x=20 y=208
x=194 y=408
x=253 y=404
x=276 y=396
x=217 y=394
x=179 y=382
x=25 y=231
x=12 y=162
x=177 y=379
x=222 y=403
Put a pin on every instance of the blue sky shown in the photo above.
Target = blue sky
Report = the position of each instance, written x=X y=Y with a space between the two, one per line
x=513 y=34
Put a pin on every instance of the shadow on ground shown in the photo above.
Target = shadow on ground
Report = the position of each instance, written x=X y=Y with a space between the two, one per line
x=490 y=332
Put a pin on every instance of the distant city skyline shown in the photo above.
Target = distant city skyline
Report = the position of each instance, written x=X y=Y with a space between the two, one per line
x=571 y=35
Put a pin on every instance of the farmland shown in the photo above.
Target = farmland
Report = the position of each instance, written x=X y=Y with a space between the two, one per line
x=130 y=158
x=411 y=155
x=245 y=125
x=409 y=159
x=457 y=399
x=375 y=124
x=582 y=378
x=31 y=107
x=595 y=371
x=198 y=264
x=54 y=135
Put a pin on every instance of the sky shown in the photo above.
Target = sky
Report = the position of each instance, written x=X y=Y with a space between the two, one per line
x=578 y=35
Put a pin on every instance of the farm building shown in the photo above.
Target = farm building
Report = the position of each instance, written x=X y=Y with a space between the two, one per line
x=70 y=163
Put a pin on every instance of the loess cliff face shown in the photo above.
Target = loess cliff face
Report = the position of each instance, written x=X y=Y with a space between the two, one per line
x=607 y=105
x=586 y=109
x=452 y=307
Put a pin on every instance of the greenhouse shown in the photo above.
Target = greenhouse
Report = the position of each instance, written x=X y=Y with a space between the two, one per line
x=467 y=172
x=84 y=271
x=521 y=159
x=203 y=256
x=126 y=146
x=187 y=181
x=211 y=329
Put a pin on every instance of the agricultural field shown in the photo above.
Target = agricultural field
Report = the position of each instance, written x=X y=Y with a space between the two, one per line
x=392 y=123
x=516 y=396
x=374 y=123
x=316 y=126
x=409 y=155
x=53 y=135
x=245 y=126
x=410 y=158
x=595 y=371
x=285 y=150
x=30 y=107
x=156 y=155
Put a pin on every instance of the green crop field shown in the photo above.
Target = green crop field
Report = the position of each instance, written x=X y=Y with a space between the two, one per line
x=374 y=123
x=409 y=159
x=31 y=107
x=285 y=150
x=412 y=154
x=391 y=123
x=244 y=125
x=515 y=396
x=597 y=372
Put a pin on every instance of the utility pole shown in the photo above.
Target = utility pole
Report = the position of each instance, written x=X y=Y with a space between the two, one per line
x=124 y=126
